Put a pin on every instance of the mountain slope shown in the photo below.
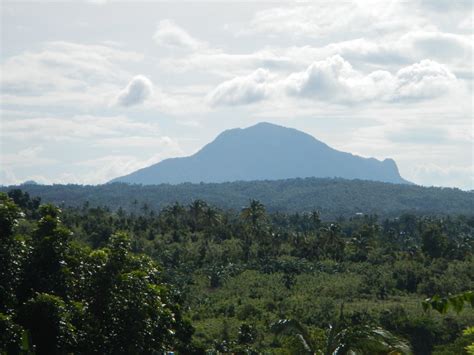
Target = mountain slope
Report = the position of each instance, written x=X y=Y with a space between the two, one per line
x=264 y=152
x=333 y=197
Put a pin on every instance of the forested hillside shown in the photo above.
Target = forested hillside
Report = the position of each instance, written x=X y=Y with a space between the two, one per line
x=244 y=281
x=331 y=197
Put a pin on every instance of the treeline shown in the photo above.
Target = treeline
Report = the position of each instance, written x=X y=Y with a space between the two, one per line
x=333 y=198
x=237 y=281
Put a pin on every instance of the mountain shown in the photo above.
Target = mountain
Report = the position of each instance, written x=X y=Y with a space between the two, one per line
x=264 y=152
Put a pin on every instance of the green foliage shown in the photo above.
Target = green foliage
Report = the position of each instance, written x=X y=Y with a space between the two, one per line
x=456 y=302
x=10 y=335
x=332 y=197
x=464 y=344
x=62 y=297
x=343 y=338
x=127 y=280
x=47 y=319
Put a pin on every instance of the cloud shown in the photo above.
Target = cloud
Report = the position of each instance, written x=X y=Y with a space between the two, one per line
x=384 y=52
x=76 y=128
x=63 y=66
x=445 y=5
x=136 y=92
x=168 y=34
x=323 y=20
x=423 y=80
x=30 y=156
x=447 y=175
x=335 y=80
x=65 y=74
x=218 y=62
x=327 y=80
x=105 y=168
x=468 y=23
x=98 y=148
x=241 y=90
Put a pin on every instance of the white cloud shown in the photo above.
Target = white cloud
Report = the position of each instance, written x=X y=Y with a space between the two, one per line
x=92 y=149
x=218 y=62
x=323 y=20
x=63 y=66
x=65 y=74
x=106 y=168
x=30 y=156
x=241 y=90
x=380 y=53
x=137 y=91
x=53 y=129
x=468 y=23
x=330 y=79
x=435 y=175
x=335 y=80
x=145 y=142
x=427 y=79
x=168 y=34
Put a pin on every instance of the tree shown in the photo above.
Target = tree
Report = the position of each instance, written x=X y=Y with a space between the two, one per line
x=196 y=210
x=49 y=322
x=342 y=339
x=72 y=299
x=434 y=242
x=255 y=218
x=254 y=214
x=456 y=302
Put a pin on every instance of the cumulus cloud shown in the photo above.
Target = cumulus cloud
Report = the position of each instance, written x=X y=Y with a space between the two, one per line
x=328 y=79
x=168 y=34
x=423 y=80
x=241 y=90
x=136 y=92
x=335 y=80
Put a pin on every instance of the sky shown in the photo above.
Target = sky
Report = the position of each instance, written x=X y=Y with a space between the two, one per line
x=92 y=90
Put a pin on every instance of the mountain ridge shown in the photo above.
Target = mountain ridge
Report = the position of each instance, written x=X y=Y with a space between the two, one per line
x=333 y=197
x=264 y=151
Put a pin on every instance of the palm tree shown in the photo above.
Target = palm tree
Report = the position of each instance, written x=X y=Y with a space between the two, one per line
x=363 y=339
x=212 y=216
x=197 y=210
x=254 y=213
x=346 y=340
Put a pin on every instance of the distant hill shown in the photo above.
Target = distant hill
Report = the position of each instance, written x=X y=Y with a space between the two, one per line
x=264 y=152
x=333 y=197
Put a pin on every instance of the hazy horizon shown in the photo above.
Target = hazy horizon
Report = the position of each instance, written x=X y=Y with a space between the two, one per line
x=93 y=90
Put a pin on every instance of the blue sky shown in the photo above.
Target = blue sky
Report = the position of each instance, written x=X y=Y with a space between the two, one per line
x=94 y=90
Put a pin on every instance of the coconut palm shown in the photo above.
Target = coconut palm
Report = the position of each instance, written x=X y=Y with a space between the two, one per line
x=254 y=213
x=346 y=340
x=197 y=210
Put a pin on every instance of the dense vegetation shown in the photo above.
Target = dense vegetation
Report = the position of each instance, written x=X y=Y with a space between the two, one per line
x=333 y=198
x=240 y=281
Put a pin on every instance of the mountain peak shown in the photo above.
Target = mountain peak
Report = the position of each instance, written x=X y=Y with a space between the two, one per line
x=264 y=151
